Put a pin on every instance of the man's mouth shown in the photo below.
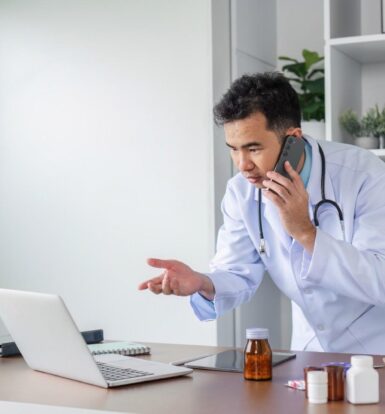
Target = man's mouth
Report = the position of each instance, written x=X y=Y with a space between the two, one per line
x=254 y=179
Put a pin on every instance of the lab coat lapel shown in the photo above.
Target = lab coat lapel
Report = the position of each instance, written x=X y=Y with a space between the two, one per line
x=327 y=214
x=271 y=218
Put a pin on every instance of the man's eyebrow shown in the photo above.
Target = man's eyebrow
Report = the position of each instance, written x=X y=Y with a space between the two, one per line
x=248 y=145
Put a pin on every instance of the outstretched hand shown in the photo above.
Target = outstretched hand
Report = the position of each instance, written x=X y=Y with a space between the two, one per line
x=177 y=279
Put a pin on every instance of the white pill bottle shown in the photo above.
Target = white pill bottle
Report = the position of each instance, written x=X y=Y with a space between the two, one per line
x=362 y=381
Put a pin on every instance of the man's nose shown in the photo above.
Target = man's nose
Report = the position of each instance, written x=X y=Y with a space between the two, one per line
x=245 y=163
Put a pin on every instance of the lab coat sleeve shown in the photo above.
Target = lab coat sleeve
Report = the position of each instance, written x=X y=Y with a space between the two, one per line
x=204 y=309
x=354 y=269
x=237 y=269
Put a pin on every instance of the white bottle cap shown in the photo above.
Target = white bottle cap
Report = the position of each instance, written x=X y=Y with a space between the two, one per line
x=317 y=377
x=365 y=361
x=257 y=333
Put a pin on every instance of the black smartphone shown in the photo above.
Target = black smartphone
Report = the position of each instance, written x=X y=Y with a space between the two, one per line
x=291 y=151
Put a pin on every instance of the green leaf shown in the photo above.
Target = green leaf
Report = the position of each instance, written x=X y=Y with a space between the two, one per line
x=313 y=111
x=316 y=86
x=312 y=107
x=295 y=80
x=314 y=72
x=287 y=58
x=311 y=58
x=308 y=81
x=350 y=122
x=298 y=69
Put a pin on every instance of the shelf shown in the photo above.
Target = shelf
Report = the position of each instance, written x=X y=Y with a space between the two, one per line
x=354 y=62
x=379 y=152
x=364 y=49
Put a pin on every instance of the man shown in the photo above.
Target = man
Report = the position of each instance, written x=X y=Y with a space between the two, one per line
x=334 y=274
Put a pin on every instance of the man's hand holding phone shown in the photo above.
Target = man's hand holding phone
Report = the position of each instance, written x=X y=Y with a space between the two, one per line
x=289 y=195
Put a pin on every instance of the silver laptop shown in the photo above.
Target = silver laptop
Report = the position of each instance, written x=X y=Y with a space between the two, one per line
x=49 y=341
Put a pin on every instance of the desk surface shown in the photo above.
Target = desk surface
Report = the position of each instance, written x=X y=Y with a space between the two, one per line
x=202 y=392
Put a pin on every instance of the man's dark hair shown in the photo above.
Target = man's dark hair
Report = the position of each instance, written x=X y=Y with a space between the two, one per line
x=269 y=93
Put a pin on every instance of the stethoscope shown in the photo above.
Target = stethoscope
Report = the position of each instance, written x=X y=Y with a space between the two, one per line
x=323 y=201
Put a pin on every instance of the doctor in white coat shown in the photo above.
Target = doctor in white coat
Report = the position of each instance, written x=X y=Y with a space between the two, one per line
x=333 y=271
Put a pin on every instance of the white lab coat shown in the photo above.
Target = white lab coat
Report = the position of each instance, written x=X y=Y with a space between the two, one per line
x=338 y=292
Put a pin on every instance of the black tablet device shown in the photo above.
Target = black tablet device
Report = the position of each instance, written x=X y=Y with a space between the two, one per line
x=232 y=360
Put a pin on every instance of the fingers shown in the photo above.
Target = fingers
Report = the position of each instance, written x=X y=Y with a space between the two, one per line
x=295 y=177
x=159 y=263
x=143 y=285
x=278 y=178
x=161 y=284
x=170 y=286
x=276 y=189
x=165 y=283
x=275 y=198
x=283 y=186
x=174 y=286
x=154 y=281
x=155 y=288
x=279 y=185
x=166 y=289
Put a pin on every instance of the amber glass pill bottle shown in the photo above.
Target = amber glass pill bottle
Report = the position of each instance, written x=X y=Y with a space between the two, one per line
x=258 y=355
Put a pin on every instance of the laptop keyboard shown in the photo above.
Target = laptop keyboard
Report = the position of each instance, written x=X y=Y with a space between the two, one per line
x=111 y=373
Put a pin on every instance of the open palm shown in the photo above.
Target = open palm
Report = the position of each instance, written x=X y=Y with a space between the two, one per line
x=177 y=279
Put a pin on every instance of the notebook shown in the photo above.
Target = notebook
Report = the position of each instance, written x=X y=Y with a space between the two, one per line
x=122 y=348
x=49 y=341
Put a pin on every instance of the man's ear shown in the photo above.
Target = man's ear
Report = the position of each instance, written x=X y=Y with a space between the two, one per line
x=294 y=132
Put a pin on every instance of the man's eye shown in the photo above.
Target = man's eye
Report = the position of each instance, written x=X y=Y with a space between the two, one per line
x=253 y=149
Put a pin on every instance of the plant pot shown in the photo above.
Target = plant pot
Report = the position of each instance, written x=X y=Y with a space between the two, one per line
x=316 y=129
x=367 y=142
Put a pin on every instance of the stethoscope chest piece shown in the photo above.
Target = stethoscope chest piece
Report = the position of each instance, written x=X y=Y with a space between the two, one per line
x=262 y=248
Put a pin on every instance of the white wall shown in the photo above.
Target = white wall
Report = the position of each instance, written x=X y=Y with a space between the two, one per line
x=221 y=44
x=106 y=156
x=254 y=34
x=254 y=48
x=299 y=26
x=370 y=17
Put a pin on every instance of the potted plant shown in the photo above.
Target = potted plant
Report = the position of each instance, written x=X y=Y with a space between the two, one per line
x=307 y=78
x=381 y=130
x=367 y=131
x=374 y=123
x=355 y=127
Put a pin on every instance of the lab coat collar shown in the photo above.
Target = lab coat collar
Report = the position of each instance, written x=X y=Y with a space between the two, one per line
x=270 y=214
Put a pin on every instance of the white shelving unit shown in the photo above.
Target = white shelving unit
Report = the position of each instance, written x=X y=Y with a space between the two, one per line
x=379 y=152
x=354 y=62
x=363 y=49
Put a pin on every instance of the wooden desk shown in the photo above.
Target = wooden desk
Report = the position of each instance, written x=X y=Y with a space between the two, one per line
x=200 y=393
